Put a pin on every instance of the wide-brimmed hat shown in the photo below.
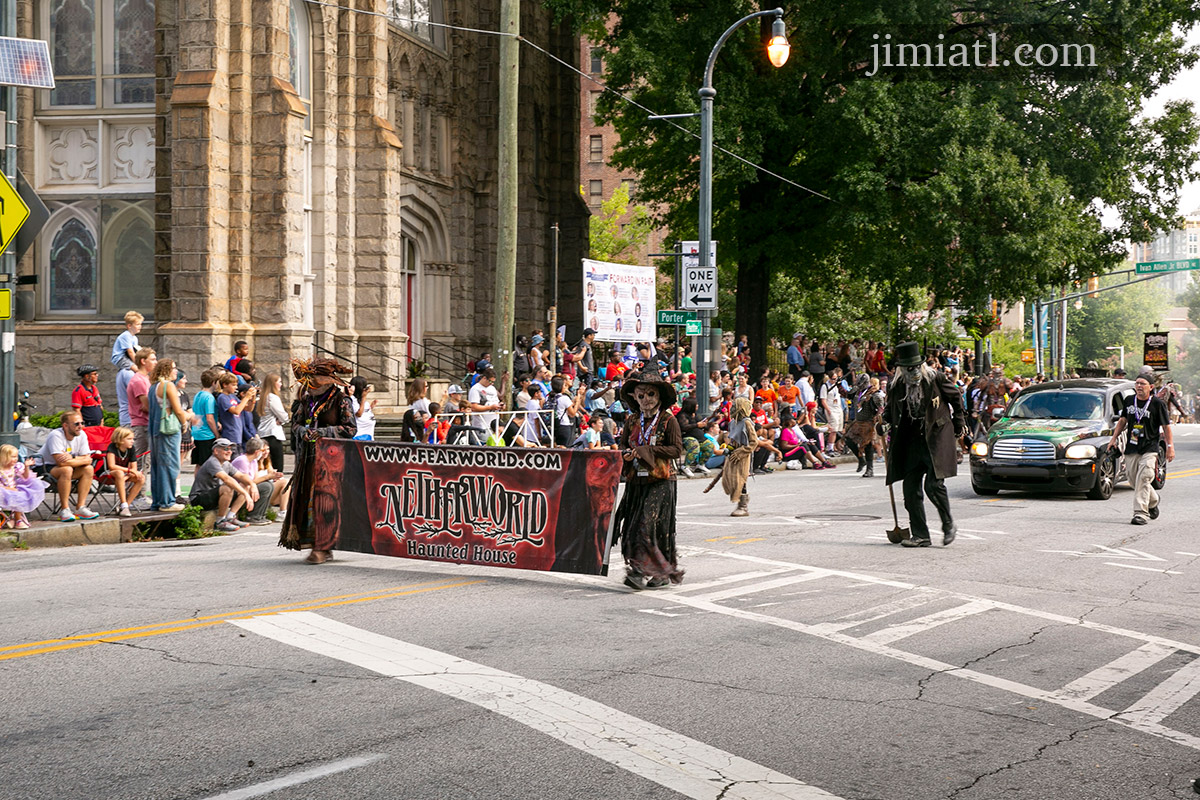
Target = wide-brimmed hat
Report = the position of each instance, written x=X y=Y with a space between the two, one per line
x=908 y=354
x=666 y=392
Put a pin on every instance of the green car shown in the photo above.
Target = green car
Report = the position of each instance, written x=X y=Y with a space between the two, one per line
x=1054 y=437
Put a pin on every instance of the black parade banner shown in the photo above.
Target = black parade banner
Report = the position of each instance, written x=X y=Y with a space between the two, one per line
x=529 y=508
x=1155 y=351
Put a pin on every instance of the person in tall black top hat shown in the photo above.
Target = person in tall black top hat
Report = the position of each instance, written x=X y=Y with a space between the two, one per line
x=925 y=410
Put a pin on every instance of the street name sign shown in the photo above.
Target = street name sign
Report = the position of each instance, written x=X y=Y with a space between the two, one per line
x=13 y=212
x=699 y=283
x=671 y=316
x=1152 y=267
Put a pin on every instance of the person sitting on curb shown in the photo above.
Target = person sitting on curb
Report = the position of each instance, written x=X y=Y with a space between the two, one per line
x=215 y=487
x=66 y=457
x=267 y=482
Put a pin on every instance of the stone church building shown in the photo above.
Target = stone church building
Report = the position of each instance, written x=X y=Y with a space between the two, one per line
x=279 y=170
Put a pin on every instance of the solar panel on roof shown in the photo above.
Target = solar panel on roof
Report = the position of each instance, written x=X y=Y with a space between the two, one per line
x=25 y=62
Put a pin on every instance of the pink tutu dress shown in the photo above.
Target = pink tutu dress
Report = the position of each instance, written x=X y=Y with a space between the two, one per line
x=20 y=490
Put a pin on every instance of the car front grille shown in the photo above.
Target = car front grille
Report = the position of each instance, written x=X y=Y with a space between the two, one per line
x=1023 y=450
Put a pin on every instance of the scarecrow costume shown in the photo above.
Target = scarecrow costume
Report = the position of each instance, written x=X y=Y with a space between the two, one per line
x=742 y=441
x=650 y=443
x=321 y=410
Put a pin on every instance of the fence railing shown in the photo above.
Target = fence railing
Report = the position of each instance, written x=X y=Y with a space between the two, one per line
x=385 y=372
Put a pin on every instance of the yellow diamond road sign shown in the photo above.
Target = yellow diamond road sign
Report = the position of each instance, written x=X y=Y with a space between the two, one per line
x=13 y=212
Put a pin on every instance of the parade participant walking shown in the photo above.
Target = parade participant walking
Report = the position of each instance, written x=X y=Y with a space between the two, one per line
x=650 y=443
x=322 y=409
x=862 y=436
x=924 y=408
x=1146 y=418
x=740 y=443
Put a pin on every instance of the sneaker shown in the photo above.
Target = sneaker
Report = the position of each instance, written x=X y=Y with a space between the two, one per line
x=22 y=525
x=173 y=507
x=635 y=582
x=917 y=543
x=1154 y=513
x=262 y=521
x=1138 y=520
x=225 y=526
x=241 y=523
x=85 y=513
x=686 y=470
x=793 y=465
x=66 y=515
x=703 y=470
x=124 y=512
x=657 y=583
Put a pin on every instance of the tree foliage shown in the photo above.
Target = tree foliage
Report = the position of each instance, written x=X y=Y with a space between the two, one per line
x=619 y=230
x=961 y=185
x=1115 y=318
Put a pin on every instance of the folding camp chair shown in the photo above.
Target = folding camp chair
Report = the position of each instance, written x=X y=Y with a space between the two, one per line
x=104 y=487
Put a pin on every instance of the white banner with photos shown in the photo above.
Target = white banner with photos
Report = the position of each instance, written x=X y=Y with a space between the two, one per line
x=619 y=301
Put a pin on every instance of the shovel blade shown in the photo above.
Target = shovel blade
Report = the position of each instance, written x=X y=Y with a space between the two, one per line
x=897 y=535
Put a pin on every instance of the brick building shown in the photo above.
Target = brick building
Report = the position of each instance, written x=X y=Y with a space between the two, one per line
x=272 y=170
x=599 y=179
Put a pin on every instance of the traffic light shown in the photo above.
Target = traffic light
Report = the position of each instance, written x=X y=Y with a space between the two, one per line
x=1093 y=286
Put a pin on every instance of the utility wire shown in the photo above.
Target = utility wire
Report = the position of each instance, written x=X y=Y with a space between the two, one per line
x=578 y=72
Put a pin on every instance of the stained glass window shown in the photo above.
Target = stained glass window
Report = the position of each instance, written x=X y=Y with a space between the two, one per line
x=415 y=17
x=73 y=268
x=133 y=264
x=73 y=49
x=103 y=51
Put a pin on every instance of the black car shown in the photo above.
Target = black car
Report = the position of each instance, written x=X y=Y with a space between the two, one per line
x=1054 y=437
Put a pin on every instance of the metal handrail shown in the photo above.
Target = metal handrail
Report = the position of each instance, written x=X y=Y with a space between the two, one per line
x=392 y=384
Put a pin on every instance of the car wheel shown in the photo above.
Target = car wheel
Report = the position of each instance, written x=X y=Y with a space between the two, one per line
x=1160 y=468
x=1106 y=478
x=983 y=490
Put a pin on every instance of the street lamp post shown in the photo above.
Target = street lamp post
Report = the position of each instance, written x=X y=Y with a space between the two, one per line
x=777 y=49
x=1120 y=347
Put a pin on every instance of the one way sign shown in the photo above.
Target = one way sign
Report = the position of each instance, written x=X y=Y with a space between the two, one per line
x=699 y=283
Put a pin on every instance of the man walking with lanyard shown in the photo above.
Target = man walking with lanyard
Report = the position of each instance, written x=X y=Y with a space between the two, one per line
x=1145 y=417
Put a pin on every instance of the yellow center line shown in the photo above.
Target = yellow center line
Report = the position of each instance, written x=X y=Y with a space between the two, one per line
x=1187 y=473
x=123 y=634
x=748 y=541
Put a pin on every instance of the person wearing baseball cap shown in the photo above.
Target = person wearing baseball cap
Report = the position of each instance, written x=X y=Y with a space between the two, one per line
x=453 y=401
x=215 y=487
x=1119 y=372
x=86 y=397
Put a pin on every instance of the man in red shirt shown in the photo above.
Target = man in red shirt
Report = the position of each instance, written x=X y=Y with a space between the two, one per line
x=86 y=397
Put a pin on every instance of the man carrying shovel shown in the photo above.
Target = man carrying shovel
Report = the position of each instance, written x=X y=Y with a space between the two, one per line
x=925 y=411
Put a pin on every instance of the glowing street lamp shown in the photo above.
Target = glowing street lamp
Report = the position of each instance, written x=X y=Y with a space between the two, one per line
x=778 y=50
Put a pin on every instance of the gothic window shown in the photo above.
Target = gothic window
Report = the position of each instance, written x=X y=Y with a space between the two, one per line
x=73 y=267
x=300 y=50
x=415 y=17
x=103 y=52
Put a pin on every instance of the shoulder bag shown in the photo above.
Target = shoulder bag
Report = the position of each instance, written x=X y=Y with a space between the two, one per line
x=168 y=425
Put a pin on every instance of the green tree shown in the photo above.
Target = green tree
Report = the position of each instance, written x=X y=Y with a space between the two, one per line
x=619 y=230
x=1119 y=317
x=963 y=185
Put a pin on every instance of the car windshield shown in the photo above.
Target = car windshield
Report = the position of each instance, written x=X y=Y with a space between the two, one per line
x=1058 y=405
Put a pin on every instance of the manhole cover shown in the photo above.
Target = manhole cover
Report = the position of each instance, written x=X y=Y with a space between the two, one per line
x=839 y=517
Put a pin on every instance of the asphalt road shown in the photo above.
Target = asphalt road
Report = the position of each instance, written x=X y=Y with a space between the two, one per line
x=1051 y=652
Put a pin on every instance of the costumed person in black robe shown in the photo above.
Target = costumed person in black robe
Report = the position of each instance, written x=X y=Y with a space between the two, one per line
x=650 y=443
x=321 y=410
x=861 y=436
x=925 y=411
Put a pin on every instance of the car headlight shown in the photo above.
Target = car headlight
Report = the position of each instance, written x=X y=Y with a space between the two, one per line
x=979 y=449
x=1081 y=451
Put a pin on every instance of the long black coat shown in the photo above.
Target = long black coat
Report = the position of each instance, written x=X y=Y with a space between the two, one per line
x=943 y=425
